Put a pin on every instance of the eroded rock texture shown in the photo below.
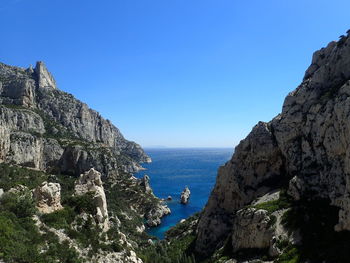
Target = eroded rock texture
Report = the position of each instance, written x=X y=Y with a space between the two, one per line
x=48 y=197
x=185 y=195
x=155 y=214
x=45 y=128
x=90 y=182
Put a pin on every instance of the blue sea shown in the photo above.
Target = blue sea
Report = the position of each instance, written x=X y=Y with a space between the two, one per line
x=173 y=169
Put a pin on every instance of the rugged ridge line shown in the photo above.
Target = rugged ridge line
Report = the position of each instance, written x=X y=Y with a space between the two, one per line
x=53 y=129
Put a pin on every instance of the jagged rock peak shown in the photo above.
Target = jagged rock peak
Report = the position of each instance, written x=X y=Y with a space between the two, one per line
x=45 y=79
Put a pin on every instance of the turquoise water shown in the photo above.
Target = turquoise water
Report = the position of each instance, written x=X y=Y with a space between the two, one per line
x=173 y=169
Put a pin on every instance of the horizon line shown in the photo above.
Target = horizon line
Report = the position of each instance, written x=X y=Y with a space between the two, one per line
x=188 y=147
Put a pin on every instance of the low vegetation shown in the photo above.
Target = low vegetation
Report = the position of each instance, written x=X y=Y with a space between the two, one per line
x=181 y=228
x=177 y=247
x=120 y=197
x=12 y=176
x=20 y=239
x=291 y=254
x=284 y=201
x=177 y=251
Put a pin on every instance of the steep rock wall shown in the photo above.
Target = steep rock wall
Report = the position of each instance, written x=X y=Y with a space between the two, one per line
x=308 y=141
x=43 y=127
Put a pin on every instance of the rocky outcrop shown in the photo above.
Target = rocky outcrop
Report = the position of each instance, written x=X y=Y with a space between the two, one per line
x=90 y=182
x=252 y=228
x=255 y=228
x=45 y=79
x=85 y=253
x=185 y=196
x=251 y=165
x=18 y=189
x=155 y=214
x=48 y=197
x=144 y=182
x=307 y=143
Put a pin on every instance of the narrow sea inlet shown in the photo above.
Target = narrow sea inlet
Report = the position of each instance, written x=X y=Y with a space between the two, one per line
x=172 y=169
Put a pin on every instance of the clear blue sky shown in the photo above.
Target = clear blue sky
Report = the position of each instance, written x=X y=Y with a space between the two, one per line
x=174 y=72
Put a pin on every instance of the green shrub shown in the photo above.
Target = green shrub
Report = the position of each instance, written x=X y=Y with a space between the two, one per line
x=58 y=252
x=11 y=176
x=290 y=255
x=179 y=251
x=60 y=219
x=83 y=203
x=21 y=205
x=180 y=228
x=18 y=238
x=284 y=201
x=120 y=196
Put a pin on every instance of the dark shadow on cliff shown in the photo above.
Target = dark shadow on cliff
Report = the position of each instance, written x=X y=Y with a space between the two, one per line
x=320 y=243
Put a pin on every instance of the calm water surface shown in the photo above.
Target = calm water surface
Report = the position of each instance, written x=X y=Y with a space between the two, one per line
x=173 y=169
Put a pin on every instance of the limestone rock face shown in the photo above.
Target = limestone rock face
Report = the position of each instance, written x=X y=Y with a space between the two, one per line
x=308 y=142
x=250 y=166
x=251 y=229
x=90 y=182
x=48 y=197
x=44 y=128
x=257 y=229
x=185 y=195
x=17 y=86
x=45 y=79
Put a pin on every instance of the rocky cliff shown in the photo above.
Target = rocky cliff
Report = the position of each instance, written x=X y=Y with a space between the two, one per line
x=45 y=128
x=66 y=180
x=305 y=150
